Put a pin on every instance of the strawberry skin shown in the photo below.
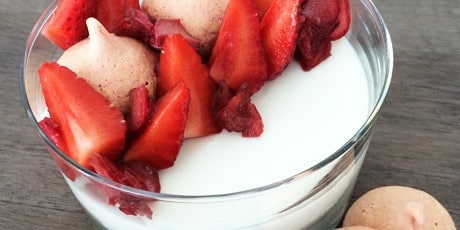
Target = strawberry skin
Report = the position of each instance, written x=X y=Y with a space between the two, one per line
x=279 y=31
x=162 y=139
x=180 y=62
x=89 y=124
x=67 y=25
x=238 y=56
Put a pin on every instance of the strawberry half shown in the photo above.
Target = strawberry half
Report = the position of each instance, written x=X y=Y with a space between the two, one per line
x=279 y=31
x=89 y=124
x=67 y=25
x=180 y=62
x=162 y=139
x=238 y=56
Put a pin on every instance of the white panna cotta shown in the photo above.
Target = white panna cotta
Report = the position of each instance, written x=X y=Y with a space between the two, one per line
x=307 y=116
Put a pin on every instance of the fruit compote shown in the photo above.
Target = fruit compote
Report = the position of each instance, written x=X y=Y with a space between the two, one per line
x=297 y=172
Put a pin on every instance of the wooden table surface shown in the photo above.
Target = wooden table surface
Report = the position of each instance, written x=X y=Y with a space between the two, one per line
x=416 y=141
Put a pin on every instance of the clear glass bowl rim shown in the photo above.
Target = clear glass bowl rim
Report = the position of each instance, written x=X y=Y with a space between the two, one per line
x=376 y=15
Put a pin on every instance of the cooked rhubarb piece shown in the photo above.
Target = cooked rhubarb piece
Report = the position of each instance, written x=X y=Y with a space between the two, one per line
x=241 y=115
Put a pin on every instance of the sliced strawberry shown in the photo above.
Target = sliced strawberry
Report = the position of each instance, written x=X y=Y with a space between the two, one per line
x=241 y=115
x=135 y=174
x=262 y=6
x=88 y=122
x=314 y=44
x=166 y=27
x=67 y=25
x=125 y=18
x=343 y=19
x=139 y=108
x=180 y=62
x=162 y=139
x=238 y=56
x=279 y=31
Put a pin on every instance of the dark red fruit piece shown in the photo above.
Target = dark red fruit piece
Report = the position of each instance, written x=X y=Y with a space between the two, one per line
x=314 y=44
x=134 y=174
x=343 y=19
x=240 y=115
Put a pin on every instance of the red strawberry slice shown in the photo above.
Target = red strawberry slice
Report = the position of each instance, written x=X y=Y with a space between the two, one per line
x=139 y=108
x=162 y=139
x=343 y=19
x=241 y=115
x=262 y=6
x=180 y=62
x=125 y=18
x=88 y=122
x=67 y=25
x=279 y=31
x=238 y=56
x=166 y=27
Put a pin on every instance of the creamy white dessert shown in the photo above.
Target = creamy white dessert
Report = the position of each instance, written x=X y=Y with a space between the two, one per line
x=307 y=117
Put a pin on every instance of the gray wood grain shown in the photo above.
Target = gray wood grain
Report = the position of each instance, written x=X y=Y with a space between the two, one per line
x=416 y=141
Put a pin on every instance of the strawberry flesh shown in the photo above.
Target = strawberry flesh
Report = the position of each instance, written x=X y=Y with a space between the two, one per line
x=241 y=115
x=279 y=31
x=67 y=25
x=179 y=61
x=89 y=124
x=167 y=27
x=162 y=139
x=238 y=56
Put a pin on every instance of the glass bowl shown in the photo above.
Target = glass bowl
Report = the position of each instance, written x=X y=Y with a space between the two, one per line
x=315 y=198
